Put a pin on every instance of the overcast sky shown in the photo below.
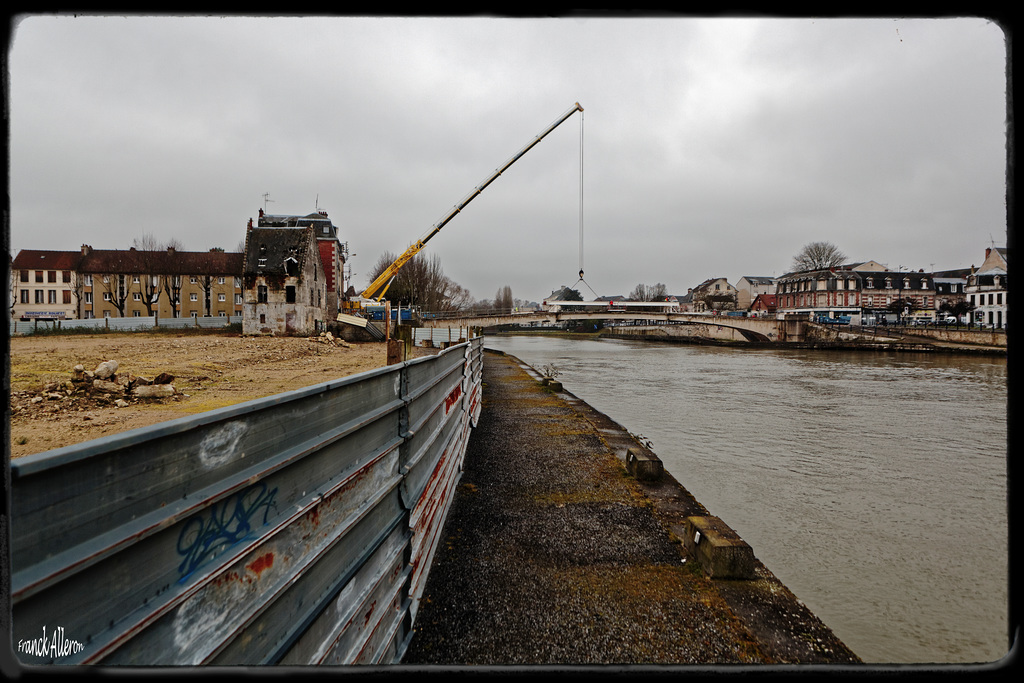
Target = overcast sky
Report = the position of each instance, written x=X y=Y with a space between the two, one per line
x=711 y=147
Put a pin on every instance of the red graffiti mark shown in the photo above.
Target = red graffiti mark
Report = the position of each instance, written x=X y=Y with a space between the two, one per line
x=452 y=398
x=261 y=563
x=369 y=612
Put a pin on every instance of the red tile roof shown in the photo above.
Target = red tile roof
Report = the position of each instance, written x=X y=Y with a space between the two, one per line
x=36 y=259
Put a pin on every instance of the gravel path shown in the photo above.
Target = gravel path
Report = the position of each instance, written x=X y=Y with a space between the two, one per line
x=553 y=555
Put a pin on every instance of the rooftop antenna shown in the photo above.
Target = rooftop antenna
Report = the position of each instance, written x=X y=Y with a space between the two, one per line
x=266 y=198
x=316 y=202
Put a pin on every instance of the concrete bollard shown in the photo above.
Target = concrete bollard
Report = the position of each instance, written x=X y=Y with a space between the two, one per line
x=719 y=550
x=643 y=466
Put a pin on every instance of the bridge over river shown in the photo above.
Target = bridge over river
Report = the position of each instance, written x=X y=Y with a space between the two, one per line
x=698 y=324
x=794 y=329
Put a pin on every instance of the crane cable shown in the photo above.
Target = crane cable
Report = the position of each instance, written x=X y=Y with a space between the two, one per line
x=581 y=212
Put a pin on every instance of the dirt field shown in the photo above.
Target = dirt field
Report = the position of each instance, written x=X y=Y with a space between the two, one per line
x=210 y=370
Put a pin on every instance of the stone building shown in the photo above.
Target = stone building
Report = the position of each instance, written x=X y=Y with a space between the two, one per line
x=333 y=252
x=284 y=283
x=988 y=289
x=749 y=287
x=714 y=294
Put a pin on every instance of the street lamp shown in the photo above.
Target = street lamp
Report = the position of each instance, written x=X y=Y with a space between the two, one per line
x=899 y=294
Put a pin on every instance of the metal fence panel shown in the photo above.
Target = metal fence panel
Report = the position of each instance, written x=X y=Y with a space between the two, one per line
x=251 y=534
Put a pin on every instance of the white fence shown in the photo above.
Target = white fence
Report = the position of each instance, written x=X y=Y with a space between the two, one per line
x=439 y=335
x=122 y=324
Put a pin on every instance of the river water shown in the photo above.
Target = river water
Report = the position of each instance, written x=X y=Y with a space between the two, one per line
x=872 y=484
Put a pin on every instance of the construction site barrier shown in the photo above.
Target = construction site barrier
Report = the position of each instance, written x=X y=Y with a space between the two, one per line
x=293 y=529
x=130 y=324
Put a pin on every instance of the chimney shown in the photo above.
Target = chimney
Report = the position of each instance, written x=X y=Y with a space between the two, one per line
x=170 y=250
x=86 y=250
x=988 y=250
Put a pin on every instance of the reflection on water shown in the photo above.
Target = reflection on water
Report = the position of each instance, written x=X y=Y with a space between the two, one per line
x=872 y=484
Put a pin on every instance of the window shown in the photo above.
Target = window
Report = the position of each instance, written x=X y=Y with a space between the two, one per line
x=24 y=276
x=221 y=297
x=24 y=296
x=39 y=276
x=262 y=262
x=137 y=313
x=88 y=297
x=135 y=279
x=261 y=294
x=263 y=318
x=238 y=284
x=106 y=296
x=999 y=299
x=39 y=296
x=870 y=283
x=289 y=294
x=137 y=296
x=192 y=279
x=88 y=280
x=193 y=297
x=220 y=280
x=106 y=314
x=222 y=314
x=67 y=296
x=66 y=276
x=52 y=296
x=106 y=279
x=238 y=298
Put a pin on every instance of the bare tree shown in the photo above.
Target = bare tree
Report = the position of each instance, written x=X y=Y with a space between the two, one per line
x=149 y=255
x=171 y=283
x=817 y=256
x=116 y=287
x=642 y=292
x=503 y=301
x=421 y=282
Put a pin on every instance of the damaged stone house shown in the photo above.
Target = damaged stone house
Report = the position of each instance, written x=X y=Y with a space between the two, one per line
x=284 y=284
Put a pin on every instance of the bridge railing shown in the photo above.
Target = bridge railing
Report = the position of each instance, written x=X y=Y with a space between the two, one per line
x=293 y=529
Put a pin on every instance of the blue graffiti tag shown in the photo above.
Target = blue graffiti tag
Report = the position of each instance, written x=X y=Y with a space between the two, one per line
x=206 y=534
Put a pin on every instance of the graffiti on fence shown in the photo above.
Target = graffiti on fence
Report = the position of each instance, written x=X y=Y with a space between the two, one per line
x=206 y=534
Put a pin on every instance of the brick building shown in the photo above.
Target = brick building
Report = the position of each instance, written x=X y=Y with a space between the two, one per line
x=97 y=283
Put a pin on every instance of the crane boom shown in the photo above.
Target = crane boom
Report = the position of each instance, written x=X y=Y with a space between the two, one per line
x=383 y=280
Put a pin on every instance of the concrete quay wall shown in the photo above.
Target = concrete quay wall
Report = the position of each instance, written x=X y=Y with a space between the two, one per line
x=568 y=544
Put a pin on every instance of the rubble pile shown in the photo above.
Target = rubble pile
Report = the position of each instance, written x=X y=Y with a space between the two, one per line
x=328 y=338
x=104 y=383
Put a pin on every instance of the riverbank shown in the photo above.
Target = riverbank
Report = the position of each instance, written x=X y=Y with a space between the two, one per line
x=553 y=555
x=910 y=345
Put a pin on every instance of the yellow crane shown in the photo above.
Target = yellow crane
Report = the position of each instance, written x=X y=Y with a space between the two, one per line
x=383 y=281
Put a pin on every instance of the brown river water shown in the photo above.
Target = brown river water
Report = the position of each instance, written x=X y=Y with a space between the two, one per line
x=873 y=484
